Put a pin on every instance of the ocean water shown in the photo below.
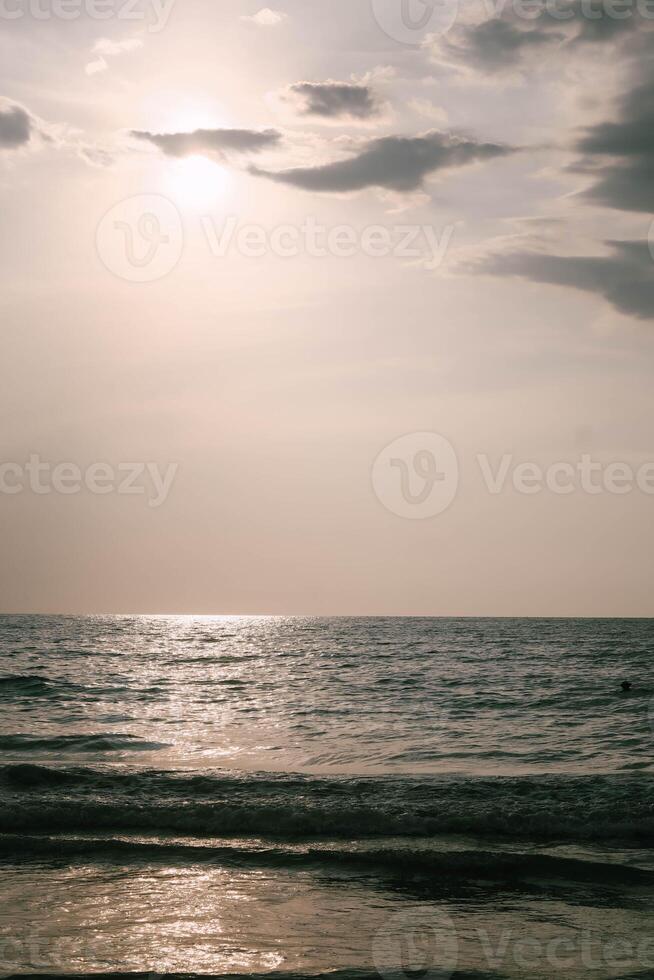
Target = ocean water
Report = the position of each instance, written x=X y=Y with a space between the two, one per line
x=394 y=798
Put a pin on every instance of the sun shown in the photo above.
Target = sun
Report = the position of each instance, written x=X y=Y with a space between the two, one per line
x=196 y=181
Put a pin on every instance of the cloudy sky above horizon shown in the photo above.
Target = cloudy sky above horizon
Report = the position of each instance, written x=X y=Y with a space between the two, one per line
x=481 y=178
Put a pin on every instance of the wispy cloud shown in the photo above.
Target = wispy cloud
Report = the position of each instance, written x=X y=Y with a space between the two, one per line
x=266 y=17
x=429 y=110
x=105 y=48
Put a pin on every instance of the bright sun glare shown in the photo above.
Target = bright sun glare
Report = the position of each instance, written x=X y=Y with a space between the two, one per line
x=196 y=181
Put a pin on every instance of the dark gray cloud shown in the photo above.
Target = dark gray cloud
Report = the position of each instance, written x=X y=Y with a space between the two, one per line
x=213 y=142
x=398 y=163
x=497 y=44
x=622 y=153
x=625 y=278
x=633 y=135
x=16 y=126
x=335 y=100
x=508 y=41
x=603 y=28
x=627 y=185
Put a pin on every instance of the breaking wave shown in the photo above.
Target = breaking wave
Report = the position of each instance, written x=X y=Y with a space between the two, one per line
x=41 y=799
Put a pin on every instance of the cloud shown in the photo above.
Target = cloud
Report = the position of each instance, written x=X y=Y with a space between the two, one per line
x=95 y=67
x=96 y=156
x=621 y=153
x=507 y=42
x=21 y=129
x=429 y=110
x=335 y=100
x=110 y=48
x=497 y=44
x=105 y=48
x=266 y=18
x=17 y=126
x=396 y=163
x=624 y=278
x=606 y=28
x=212 y=142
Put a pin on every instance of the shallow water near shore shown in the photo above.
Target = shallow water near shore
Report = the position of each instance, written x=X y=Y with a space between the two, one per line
x=250 y=795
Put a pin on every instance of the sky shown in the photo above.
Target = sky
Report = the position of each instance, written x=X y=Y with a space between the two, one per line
x=327 y=308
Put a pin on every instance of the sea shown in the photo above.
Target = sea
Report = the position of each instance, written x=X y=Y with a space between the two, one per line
x=393 y=798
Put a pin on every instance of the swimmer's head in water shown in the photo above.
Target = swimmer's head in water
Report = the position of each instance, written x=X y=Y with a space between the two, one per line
x=626 y=686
